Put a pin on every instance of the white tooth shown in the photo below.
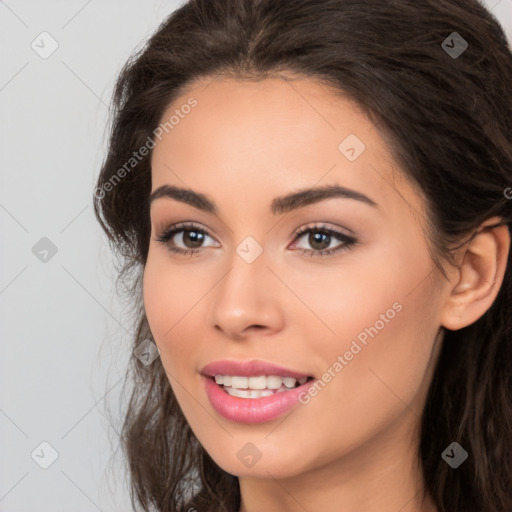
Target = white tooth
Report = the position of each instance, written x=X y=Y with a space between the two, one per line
x=240 y=382
x=267 y=392
x=289 y=382
x=227 y=380
x=281 y=390
x=301 y=381
x=258 y=382
x=219 y=379
x=274 y=382
x=242 y=393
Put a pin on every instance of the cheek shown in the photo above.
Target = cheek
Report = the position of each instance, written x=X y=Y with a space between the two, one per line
x=365 y=292
x=169 y=298
x=383 y=316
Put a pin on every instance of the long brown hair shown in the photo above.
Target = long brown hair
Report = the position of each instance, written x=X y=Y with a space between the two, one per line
x=447 y=119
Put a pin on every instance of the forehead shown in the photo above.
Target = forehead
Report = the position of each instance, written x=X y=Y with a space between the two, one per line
x=270 y=116
x=267 y=137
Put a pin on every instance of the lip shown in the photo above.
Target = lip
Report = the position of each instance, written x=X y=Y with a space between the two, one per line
x=251 y=410
x=252 y=368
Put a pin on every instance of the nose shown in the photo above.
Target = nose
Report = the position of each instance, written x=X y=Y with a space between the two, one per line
x=246 y=300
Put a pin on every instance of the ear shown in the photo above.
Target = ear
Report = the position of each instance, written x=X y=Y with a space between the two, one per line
x=479 y=277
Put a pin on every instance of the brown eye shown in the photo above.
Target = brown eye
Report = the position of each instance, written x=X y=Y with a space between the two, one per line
x=320 y=238
x=319 y=241
x=192 y=239
x=184 y=238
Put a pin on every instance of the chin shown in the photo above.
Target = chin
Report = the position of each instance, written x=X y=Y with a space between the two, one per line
x=259 y=460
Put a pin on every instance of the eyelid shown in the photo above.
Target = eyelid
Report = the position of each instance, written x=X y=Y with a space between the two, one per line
x=322 y=226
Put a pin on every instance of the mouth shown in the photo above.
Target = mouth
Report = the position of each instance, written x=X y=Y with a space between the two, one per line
x=253 y=391
x=257 y=386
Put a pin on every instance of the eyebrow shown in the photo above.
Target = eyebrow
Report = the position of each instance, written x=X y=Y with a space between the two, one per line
x=279 y=205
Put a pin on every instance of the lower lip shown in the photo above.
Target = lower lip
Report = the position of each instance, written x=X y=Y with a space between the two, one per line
x=252 y=410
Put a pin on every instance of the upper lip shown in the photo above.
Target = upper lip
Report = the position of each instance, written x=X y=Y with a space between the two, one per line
x=252 y=368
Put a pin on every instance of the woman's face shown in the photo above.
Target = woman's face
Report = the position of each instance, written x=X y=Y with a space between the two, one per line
x=355 y=305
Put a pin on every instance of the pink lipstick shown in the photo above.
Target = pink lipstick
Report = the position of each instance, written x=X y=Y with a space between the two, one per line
x=253 y=391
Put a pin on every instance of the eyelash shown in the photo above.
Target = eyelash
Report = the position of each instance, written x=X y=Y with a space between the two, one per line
x=348 y=241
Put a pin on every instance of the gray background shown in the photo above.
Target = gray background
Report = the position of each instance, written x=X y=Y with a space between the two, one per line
x=65 y=335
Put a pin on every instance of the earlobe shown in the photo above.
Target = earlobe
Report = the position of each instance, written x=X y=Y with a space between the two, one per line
x=480 y=276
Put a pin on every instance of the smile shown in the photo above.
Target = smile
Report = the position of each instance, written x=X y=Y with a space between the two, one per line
x=253 y=391
x=257 y=387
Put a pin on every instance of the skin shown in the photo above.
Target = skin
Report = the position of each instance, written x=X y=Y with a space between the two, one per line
x=353 y=446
